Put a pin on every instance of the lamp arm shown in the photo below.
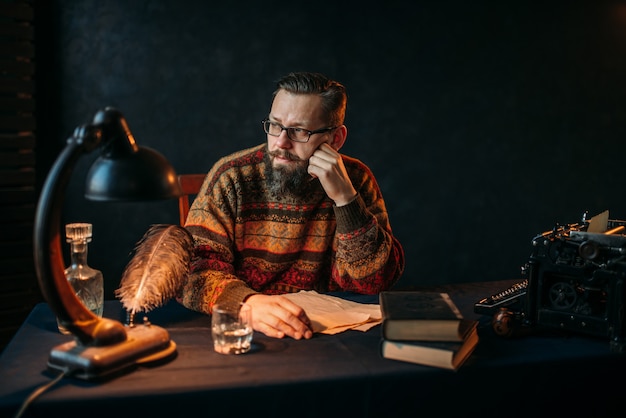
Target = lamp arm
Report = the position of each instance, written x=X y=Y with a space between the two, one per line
x=86 y=326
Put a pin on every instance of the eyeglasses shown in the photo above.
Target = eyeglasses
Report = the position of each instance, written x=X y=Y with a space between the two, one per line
x=295 y=134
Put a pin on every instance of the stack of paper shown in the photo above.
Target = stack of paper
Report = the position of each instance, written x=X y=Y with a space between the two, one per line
x=332 y=315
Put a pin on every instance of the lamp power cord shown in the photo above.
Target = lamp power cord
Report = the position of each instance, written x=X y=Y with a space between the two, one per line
x=40 y=390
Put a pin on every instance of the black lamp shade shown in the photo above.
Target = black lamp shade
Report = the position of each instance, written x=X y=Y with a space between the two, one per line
x=140 y=174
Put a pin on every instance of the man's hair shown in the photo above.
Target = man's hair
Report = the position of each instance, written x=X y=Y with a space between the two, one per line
x=333 y=93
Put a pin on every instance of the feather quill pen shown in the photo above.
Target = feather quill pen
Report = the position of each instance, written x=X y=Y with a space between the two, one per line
x=156 y=270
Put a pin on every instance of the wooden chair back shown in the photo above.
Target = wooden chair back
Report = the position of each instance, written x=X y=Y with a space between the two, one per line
x=190 y=184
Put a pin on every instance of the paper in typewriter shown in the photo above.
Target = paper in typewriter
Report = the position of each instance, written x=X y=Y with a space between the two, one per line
x=332 y=315
x=599 y=223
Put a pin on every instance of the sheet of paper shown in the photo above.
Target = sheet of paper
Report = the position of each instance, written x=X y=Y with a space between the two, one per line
x=599 y=223
x=332 y=315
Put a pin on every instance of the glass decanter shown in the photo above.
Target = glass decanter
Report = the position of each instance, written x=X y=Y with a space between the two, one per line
x=88 y=283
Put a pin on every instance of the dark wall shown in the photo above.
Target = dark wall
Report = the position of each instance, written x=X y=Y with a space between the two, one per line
x=485 y=122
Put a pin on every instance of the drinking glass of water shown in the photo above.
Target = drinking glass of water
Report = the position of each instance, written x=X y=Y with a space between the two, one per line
x=231 y=328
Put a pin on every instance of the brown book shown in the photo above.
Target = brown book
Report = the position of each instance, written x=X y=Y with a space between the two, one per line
x=444 y=355
x=422 y=316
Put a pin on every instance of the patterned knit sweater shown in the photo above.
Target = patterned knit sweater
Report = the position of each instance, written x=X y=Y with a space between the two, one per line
x=248 y=241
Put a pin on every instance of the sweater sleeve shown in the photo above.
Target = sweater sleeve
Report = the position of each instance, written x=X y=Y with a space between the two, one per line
x=210 y=221
x=369 y=258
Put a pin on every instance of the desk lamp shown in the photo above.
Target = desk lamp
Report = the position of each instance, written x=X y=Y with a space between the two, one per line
x=123 y=172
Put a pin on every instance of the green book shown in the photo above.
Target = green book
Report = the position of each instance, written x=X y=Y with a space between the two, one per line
x=422 y=316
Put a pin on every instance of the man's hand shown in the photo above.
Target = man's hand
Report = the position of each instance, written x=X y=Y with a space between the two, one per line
x=276 y=316
x=327 y=165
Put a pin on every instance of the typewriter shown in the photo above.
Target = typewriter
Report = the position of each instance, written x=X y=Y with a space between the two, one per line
x=574 y=280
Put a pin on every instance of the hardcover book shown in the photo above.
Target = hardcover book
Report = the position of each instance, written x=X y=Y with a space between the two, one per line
x=422 y=316
x=441 y=354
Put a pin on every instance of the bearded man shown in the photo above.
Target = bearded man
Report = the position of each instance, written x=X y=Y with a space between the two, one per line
x=291 y=214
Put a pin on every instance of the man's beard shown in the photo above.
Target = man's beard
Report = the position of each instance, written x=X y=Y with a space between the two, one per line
x=288 y=181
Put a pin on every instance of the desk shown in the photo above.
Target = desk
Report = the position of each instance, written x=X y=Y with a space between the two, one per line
x=329 y=375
